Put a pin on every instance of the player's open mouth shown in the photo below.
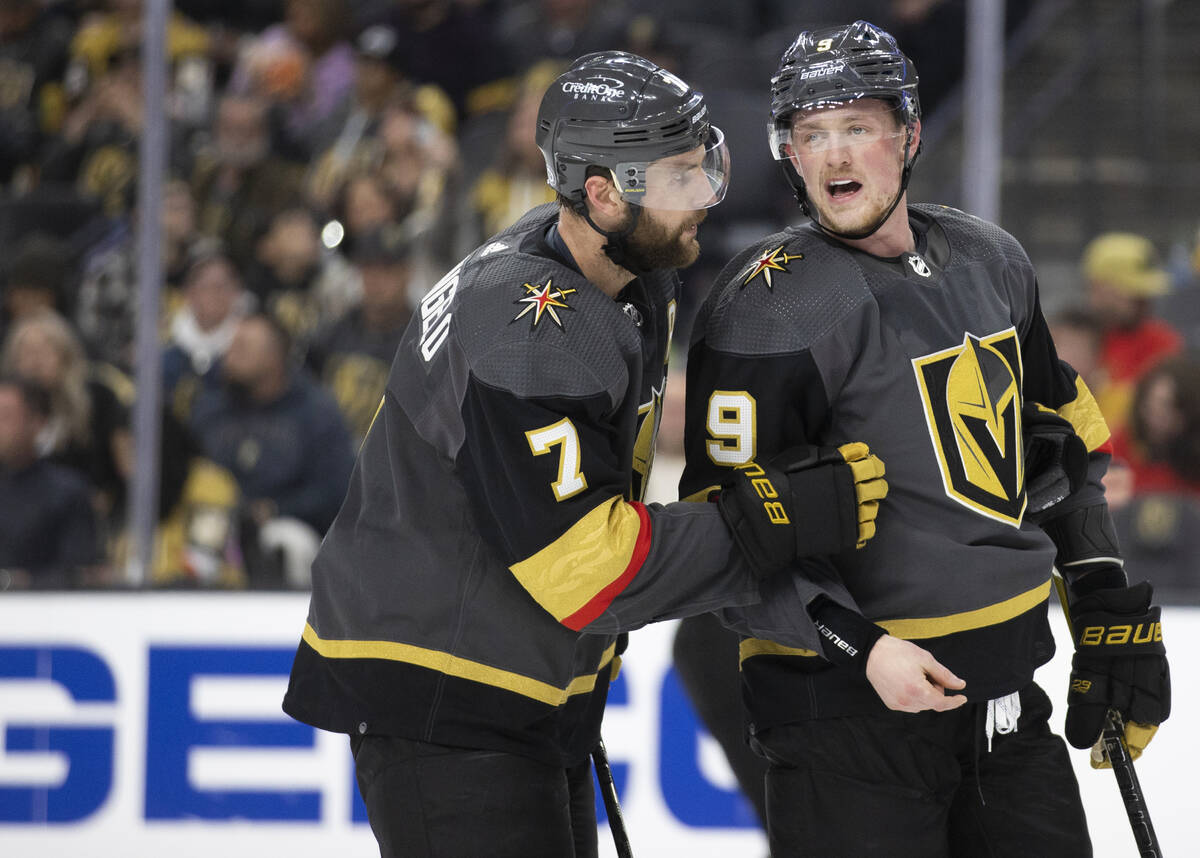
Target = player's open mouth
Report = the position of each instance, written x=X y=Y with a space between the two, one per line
x=840 y=188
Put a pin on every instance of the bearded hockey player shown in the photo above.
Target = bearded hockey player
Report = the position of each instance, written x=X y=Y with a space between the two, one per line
x=469 y=601
x=916 y=729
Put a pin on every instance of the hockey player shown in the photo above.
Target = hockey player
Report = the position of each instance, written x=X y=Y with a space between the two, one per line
x=469 y=601
x=915 y=729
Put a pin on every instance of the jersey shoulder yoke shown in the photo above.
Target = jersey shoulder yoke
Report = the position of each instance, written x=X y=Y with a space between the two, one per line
x=782 y=294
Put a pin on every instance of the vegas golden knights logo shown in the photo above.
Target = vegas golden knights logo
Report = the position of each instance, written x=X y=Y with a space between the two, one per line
x=972 y=399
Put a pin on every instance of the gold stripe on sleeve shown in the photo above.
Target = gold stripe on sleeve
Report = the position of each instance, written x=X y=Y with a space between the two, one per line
x=568 y=573
x=1083 y=413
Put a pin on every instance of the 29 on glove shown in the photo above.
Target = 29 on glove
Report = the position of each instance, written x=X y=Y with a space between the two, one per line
x=1056 y=459
x=1120 y=663
x=806 y=500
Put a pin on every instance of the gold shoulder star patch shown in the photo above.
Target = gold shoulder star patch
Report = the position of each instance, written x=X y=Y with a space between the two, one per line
x=543 y=300
x=768 y=262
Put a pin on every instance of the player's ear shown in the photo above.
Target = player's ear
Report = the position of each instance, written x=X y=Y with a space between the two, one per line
x=603 y=197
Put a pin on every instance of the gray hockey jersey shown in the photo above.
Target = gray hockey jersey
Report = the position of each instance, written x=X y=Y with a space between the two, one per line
x=927 y=357
x=493 y=546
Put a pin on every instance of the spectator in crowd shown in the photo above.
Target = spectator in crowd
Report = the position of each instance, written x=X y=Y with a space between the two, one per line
x=98 y=148
x=1123 y=276
x=516 y=180
x=110 y=37
x=366 y=205
x=88 y=408
x=303 y=64
x=420 y=168
x=195 y=539
x=33 y=59
x=35 y=277
x=238 y=182
x=48 y=529
x=352 y=355
x=411 y=180
x=284 y=441
x=350 y=140
x=1159 y=528
x=298 y=281
x=214 y=302
x=1162 y=440
x=106 y=300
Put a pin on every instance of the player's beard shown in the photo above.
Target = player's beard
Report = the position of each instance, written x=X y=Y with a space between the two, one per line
x=654 y=246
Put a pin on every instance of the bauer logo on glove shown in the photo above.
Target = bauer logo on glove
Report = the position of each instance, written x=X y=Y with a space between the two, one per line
x=827 y=497
x=765 y=489
x=1120 y=634
x=1120 y=663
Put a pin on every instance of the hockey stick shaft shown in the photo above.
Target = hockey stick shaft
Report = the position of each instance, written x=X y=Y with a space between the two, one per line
x=608 y=791
x=1129 y=786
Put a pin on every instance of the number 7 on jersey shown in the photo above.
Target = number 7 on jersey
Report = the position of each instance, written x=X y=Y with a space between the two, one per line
x=562 y=434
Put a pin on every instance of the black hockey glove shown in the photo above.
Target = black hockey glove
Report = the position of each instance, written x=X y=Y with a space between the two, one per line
x=1120 y=663
x=806 y=500
x=1056 y=459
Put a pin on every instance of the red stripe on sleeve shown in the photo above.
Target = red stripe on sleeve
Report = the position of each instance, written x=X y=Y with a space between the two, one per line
x=1106 y=447
x=600 y=602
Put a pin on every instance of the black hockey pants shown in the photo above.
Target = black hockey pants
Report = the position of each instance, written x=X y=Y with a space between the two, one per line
x=430 y=801
x=923 y=786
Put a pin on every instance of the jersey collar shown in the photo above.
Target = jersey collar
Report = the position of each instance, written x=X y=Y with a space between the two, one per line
x=924 y=265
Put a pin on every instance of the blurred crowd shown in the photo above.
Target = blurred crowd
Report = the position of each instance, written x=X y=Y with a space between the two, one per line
x=1135 y=338
x=327 y=161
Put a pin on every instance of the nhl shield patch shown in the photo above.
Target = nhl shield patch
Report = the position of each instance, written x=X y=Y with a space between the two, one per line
x=972 y=399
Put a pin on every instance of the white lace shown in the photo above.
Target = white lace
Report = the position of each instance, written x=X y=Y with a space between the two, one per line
x=1002 y=716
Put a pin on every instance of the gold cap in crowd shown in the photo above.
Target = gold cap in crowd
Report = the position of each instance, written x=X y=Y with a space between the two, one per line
x=1127 y=262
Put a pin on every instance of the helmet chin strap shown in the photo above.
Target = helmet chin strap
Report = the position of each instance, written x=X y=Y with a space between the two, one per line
x=617 y=246
x=906 y=173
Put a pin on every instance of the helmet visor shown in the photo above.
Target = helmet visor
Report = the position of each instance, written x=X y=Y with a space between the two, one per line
x=692 y=180
x=830 y=125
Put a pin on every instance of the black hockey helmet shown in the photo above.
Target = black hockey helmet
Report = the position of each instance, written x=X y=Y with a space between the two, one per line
x=834 y=65
x=619 y=111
